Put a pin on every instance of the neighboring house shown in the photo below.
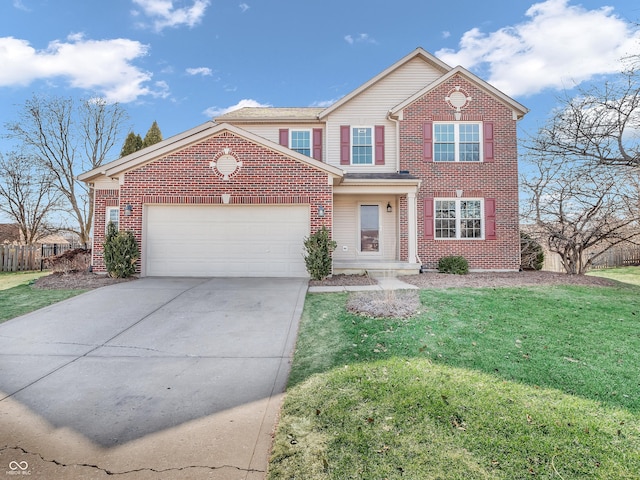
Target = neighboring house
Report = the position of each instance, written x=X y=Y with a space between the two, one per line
x=418 y=163
x=10 y=234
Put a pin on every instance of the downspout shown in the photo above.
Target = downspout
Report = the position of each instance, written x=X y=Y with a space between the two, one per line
x=396 y=120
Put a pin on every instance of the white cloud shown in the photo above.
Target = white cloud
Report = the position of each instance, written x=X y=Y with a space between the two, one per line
x=100 y=66
x=559 y=46
x=213 y=112
x=19 y=4
x=244 y=7
x=360 y=38
x=165 y=14
x=446 y=34
x=162 y=89
x=204 y=71
x=324 y=103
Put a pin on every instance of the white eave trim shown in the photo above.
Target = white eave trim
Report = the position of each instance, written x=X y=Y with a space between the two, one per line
x=387 y=186
x=518 y=109
x=147 y=154
x=178 y=142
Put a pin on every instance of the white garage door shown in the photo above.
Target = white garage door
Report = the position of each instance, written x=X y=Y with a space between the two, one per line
x=225 y=240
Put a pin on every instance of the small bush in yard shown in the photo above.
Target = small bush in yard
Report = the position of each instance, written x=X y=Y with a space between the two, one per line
x=454 y=264
x=120 y=253
x=318 y=257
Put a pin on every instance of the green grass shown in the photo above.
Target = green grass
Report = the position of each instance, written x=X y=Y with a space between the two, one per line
x=17 y=296
x=482 y=383
x=13 y=279
x=630 y=275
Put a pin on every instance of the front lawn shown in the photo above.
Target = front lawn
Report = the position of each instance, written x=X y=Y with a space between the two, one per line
x=629 y=275
x=17 y=295
x=506 y=383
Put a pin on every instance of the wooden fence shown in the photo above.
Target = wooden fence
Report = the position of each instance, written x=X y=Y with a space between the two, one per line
x=618 y=257
x=615 y=257
x=20 y=258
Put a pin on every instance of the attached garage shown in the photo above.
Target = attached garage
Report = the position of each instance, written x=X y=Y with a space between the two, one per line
x=225 y=240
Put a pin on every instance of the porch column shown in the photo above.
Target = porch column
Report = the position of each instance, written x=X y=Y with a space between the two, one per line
x=412 y=228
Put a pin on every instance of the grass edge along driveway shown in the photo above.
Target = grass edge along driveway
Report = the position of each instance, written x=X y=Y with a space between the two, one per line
x=18 y=297
x=482 y=383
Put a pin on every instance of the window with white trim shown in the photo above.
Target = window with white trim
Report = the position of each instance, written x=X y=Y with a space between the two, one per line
x=362 y=145
x=300 y=141
x=113 y=216
x=458 y=218
x=457 y=142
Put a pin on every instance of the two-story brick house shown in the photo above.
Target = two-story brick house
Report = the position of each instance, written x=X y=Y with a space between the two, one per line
x=418 y=163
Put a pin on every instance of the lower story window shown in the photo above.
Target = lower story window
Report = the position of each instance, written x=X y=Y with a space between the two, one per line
x=113 y=216
x=458 y=218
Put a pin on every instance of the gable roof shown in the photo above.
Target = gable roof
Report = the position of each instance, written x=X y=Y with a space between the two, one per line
x=271 y=114
x=190 y=137
x=519 y=109
x=418 y=52
x=9 y=232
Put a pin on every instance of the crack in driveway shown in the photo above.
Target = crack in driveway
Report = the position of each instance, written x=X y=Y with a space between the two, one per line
x=126 y=472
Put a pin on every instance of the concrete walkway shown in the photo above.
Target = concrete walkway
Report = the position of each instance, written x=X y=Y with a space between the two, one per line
x=384 y=283
x=154 y=379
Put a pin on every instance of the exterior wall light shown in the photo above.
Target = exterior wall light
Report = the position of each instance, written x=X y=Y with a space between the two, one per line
x=320 y=211
x=389 y=209
x=127 y=210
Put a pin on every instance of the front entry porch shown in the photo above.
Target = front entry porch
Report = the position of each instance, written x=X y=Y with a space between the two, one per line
x=374 y=225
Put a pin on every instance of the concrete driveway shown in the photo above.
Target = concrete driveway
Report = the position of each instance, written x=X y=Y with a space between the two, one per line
x=159 y=378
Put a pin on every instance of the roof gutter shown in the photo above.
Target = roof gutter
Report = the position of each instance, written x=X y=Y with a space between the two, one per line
x=397 y=123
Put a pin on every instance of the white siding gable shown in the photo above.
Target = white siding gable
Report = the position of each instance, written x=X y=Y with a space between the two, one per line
x=371 y=107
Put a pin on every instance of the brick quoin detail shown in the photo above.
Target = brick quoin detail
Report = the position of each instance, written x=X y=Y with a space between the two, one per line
x=498 y=179
x=185 y=177
x=103 y=199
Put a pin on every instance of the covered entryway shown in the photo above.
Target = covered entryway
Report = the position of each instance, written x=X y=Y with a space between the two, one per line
x=225 y=240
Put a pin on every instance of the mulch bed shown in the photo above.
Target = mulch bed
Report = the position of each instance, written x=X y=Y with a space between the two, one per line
x=85 y=280
x=77 y=280
x=342 y=280
x=502 y=279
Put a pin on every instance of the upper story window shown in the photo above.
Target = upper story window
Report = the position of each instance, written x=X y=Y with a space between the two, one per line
x=300 y=141
x=362 y=146
x=304 y=141
x=456 y=142
x=113 y=216
x=458 y=218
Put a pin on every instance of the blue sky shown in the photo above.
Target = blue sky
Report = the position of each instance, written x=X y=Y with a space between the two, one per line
x=181 y=61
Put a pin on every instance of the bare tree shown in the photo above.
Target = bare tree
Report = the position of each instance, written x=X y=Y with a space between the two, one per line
x=27 y=195
x=601 y=125
x=579 y=210
x=68 y=139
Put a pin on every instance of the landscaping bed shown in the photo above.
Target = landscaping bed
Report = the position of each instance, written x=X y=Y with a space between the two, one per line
x=76 y=280
x=502 y=279
x=86 y=280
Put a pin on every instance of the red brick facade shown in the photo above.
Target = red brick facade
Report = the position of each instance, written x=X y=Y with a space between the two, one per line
x=497 y=179
x=186 y=177
x=179 y=170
